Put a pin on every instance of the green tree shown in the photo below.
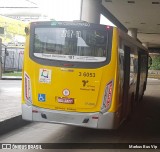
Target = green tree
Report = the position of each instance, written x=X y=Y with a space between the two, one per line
x=155 y=63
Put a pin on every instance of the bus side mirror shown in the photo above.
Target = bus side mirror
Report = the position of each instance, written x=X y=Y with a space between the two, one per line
x=6 y=52
x=26 y=30
x=149 y=62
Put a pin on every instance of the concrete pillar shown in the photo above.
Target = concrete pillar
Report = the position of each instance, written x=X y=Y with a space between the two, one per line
x=90 y=11
x=132 y=32
x=145 y=44
x=0 y=58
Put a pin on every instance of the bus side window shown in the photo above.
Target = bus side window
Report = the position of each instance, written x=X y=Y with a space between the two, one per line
x=132 y=70
x=121 y=60
x=135 y=62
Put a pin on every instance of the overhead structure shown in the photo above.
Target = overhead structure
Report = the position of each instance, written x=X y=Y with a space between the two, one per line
x=145 y=44
x=140 y=17
x=90 y=11
x=132 y=32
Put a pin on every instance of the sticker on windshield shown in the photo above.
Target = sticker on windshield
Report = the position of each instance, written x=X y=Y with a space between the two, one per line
x=44 y=76
x=72 y=58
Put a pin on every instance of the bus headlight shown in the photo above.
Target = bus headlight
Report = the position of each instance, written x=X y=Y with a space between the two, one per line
x=27 y=89
x=107 y=99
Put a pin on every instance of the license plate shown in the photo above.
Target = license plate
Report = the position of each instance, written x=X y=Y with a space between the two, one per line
x=66 y=100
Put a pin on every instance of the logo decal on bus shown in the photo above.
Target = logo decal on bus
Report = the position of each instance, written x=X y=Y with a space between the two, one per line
x=45 y=76
x=84 y=82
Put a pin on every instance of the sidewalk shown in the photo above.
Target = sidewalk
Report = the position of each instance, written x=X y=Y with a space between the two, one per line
x=10 y=104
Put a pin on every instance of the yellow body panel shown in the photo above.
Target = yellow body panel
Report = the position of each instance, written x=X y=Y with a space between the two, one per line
x=87 y=97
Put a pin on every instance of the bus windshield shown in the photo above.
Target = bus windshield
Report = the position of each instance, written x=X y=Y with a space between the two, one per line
x=70 y=44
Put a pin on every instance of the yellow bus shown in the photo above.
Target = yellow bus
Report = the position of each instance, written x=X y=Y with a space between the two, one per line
x=81 y=74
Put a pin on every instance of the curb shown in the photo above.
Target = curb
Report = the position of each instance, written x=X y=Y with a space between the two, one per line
x=12 y=124
x=11 y=79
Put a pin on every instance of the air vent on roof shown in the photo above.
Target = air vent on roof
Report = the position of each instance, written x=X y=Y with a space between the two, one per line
x=142 y=23
x=158 y=24
x=131 y=2
x=155 y=3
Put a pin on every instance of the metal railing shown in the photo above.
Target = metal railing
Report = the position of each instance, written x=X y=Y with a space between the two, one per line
x=12 y=58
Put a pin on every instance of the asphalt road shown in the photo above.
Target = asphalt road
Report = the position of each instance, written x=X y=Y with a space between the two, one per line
x=144 y=127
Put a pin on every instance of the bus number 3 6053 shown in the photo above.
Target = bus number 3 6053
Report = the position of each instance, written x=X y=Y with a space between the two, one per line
x=86 y=74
